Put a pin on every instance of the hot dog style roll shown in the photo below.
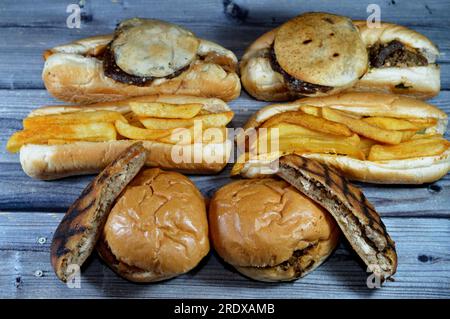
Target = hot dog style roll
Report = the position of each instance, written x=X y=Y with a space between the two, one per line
x=141 y=57
x=184 y=133
x=401 y=61
x=370 y=137
x=289 y=61
x=314 y=54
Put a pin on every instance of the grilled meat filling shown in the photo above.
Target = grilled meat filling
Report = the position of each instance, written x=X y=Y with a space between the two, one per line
x=294 y=85
x=395 y=54
x=113 y=71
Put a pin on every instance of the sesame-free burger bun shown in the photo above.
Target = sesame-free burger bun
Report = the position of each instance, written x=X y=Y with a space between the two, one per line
x=269 y=231
x=157 y=229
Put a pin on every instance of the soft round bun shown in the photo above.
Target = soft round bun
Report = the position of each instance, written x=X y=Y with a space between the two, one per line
x=321 y=48
x=269 y=231
x=157 y=228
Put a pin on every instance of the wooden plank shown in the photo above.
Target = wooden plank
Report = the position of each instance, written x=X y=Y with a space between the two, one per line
x=32 y=13
x=232 y=24
x=423 y=200
x=423 y=271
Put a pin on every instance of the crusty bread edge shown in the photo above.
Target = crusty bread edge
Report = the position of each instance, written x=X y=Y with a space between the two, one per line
x=261 y=82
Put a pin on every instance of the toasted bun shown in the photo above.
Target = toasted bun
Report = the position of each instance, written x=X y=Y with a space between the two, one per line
x=157 y=228
x=421 y=81
x=56 y=161
x=405 y=171
x=80 y=79
x=269 y=231
x=388 y=32
x=355 y=215
x=257 y=75
x=77 y=233
x=75 y=72
x=321 y=48
x=263 y=83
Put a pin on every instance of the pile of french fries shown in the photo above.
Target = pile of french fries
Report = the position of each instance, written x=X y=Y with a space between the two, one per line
x=330 y=131
x=155 y=121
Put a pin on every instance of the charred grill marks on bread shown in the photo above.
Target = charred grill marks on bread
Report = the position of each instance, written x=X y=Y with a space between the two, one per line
x=354 y=214
x=78 y=231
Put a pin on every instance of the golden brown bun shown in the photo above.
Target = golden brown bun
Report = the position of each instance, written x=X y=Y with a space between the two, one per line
x=158 y=227
x=269 y=231
x=406 y=171
x=420 y=82
x=57 y=161
x=321 y=48
x=79 y=79
x=74 y=72
x=257 y=75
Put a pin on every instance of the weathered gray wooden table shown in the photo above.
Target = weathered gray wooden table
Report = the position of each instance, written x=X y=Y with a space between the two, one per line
x=417 y=217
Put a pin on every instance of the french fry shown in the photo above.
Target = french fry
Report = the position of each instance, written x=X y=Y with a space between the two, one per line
x=165 y=110
x=182 y=136
x=137 y=133
x=414 y=148
x=309 y=121
x=293 y=130
x=422 y=123
x=208 y=120
x=41 y=135
x=314 y=145
x=389 y=123
x=311 y=110
x=407 y=135
x=363 y=128
x=72 y=118
x=365 y=145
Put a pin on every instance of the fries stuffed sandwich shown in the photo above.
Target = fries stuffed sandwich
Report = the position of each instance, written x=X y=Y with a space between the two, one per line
x=184 y=133
x=371 y=137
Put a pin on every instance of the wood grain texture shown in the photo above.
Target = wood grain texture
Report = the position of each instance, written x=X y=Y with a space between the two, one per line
x=423 y=200
x=423 y=272
x=233 y=24
x=417 y=217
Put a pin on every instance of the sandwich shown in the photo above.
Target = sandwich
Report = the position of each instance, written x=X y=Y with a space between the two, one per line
x=273 y=229
x=314 y=54
x=269 y=231
x=183 y=133
x=157 y=229
x=401 y=61
x=387 y=59
x=147 y=224
x=76 y=235
x=369 y=137
x=141 y=57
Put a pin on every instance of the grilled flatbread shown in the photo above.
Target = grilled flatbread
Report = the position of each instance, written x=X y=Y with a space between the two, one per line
x=78 y=231
x=355 y=215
